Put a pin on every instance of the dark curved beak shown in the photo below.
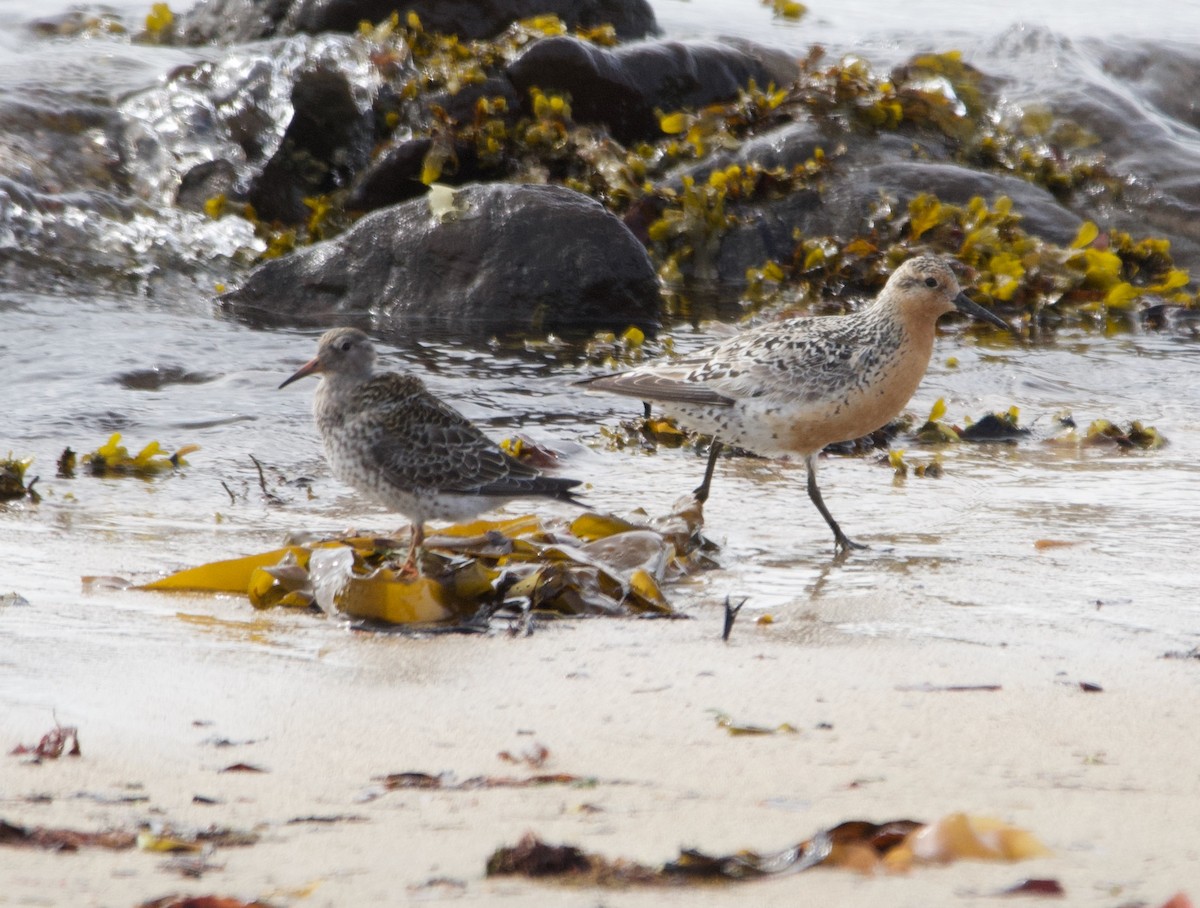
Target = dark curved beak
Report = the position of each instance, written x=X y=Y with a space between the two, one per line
x=962 y=303
x=312 y=367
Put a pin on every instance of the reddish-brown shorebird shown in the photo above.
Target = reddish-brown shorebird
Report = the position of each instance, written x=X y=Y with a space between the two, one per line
x=792 y=387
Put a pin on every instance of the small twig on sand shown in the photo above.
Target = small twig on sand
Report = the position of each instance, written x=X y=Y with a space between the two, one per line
x=731 y=613
x=229 y=492
x=271 y=497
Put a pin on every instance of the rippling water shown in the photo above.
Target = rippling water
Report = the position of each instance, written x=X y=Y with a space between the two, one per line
x=953 y=556
x=924 y=24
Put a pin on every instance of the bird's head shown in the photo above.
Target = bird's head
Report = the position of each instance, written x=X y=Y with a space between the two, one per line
x=344 y=352
x=926 y=287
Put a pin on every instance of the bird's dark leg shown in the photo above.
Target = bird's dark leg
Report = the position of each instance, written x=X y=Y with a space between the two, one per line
x=701 y=492
x=841 y=542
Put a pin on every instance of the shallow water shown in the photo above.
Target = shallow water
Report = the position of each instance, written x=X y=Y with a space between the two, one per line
x=924 y=24
x=950 y=557
x=943 y=551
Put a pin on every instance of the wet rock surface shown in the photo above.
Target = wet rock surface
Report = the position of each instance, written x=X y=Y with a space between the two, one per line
x=1134 y=115
x=289 y=120
x=233 y=21
x=504 y=260
x=471 y=19
x=626 y=88
x=850 y=194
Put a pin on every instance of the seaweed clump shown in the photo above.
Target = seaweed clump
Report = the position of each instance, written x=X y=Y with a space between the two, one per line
x=113 y=459
x=472 y=573
x=12 y=479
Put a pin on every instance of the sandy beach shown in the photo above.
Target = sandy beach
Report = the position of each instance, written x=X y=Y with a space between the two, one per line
x=1105 y=779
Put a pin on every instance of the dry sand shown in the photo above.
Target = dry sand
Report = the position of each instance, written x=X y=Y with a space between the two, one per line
x=1107 y=780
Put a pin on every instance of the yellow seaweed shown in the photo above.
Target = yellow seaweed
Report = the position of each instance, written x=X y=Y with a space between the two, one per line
x=674 y=123
x=471 y=582
x=148 y=841
x=959 y=835
x=515 y=526
x=113 y=459
x=231 y=576
x=159 y=19
x=384 y=598
x=12 y=478
x=645 y=589
x=1086 y=236
x=925 y=213
x=789 y=9
x=591 y=526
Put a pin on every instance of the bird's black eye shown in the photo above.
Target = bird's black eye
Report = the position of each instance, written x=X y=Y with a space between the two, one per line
x=345 y=346
x=931 y=282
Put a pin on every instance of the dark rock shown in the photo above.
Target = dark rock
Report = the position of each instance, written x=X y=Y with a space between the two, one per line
x=848 y=198
x=474 y=19
x=1154 y=76
x=624 y=87
x=460 y=107
x=511 y=259
x=843 y=208
x=1127 y=95
x=205 y=181
x=327 y=140
x=238 y=21
x=872 y=167
x=993 y=428
x=395 y=174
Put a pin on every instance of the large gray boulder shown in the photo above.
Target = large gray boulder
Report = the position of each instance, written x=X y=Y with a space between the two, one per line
x=504 y=259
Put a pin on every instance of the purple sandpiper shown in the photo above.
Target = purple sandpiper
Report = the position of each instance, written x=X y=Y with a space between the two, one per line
x=387 y=436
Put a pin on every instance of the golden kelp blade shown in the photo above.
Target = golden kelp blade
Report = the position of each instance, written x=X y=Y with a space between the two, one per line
x=517 y=526
x=959 y=835
x=647 y=592
x=384 y=598
x=148 y=841
x=268 y=589
x=590 y=526
x=232 y=576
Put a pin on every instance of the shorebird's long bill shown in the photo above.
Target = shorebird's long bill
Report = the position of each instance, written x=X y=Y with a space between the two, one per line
x=964 y=303
x=313 y=365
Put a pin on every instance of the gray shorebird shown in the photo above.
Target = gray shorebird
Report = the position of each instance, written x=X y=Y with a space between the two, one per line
x=389 y=438
x=793 y=387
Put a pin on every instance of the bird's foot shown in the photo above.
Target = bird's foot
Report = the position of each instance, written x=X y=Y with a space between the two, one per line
x=410 y=570
x=843 y=545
